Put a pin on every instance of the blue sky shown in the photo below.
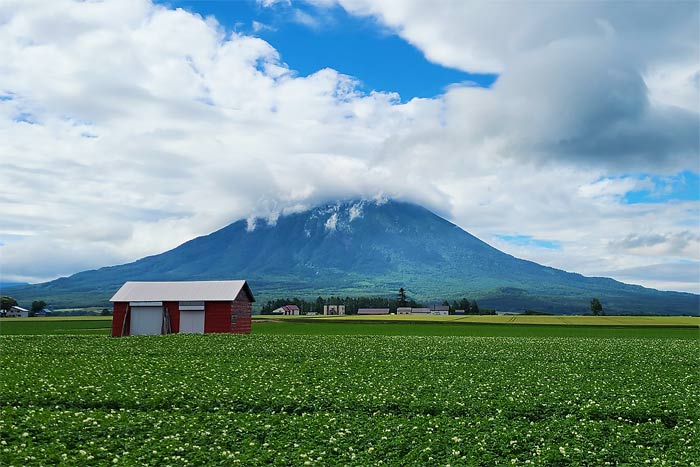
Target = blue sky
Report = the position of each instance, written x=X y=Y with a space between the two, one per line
x=684 y=186
x=529 y=241
x=309 y=39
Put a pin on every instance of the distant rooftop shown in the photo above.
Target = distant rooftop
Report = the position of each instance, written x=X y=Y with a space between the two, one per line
x=373 y=311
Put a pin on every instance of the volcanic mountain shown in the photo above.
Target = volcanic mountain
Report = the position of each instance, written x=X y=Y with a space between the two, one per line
x=366 y=248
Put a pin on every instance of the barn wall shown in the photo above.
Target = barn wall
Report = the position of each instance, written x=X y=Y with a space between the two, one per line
x=174 y=310
x=242 y=309
x=118 y=319
x=217 y=317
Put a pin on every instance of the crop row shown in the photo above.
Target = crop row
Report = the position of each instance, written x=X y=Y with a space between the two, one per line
x=347 y=400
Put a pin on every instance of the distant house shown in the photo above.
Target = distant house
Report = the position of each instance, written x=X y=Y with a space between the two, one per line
x=373 y=311
x=16 y=312
x=460 y=312
x=44 y=312
x=287 y=310
x=420 y=311
x=202 y=307
x=333 y=310
x=440 y=310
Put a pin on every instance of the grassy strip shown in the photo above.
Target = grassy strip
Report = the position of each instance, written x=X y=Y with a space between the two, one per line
x=43 y=326
x=301 y=327
x=388 y=326
x=675 y=321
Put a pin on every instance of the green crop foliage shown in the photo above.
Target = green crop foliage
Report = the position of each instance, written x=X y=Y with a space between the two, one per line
x=72 y=325
x=348 y=400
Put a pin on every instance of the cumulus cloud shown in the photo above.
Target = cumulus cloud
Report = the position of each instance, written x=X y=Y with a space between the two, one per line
x=594 y=82
x=127 y=128
x=471 y=36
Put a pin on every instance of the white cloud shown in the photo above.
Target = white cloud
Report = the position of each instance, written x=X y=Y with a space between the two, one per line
x=676 y=84
x=269 y=3
x=152 y=126
x=258 y=26
x=472 y=36
x=302 y=17
x=600 y=82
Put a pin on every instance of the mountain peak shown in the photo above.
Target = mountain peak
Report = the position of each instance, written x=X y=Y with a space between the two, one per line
x=367 y=247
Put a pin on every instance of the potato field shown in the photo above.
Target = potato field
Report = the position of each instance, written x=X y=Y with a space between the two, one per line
x=348 y=400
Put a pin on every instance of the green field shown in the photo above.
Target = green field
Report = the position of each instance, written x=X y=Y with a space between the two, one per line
x=348 y=400
x=487 y=326
x=474 y=330
x=99 y=325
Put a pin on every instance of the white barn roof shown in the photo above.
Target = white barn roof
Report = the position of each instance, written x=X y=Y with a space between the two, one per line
x=205 y=291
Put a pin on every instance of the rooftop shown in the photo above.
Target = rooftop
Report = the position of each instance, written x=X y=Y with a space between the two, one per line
x=181 y=291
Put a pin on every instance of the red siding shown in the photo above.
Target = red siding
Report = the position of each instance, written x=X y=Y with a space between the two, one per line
x=217 y=317
x=242 y=308
x=118 y=319
x=174 y=311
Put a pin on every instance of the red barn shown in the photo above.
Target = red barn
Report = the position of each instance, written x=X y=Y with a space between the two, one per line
x=146 y=308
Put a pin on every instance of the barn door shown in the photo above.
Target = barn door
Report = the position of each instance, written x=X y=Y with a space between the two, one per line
x=191 y=322
x=191 y=317
x=146 y=319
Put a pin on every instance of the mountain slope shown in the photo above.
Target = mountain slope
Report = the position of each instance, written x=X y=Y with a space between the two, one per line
x=364 y=248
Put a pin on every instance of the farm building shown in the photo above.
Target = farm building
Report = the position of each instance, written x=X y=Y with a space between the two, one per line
x=147 y=308
x=42 y=313
x=287 y=310
x=333 y=309
x=16 y=312
x=373 y=311
x=420 y=311
x=423 y=311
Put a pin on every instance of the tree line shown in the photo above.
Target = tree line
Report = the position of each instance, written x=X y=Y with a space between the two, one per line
x=352 y=304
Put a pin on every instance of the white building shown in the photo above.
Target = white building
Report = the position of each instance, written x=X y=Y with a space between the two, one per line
x=17 y=312
x=287 y=310
x=420 y=311
x=373 y=311
x=333 y=310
